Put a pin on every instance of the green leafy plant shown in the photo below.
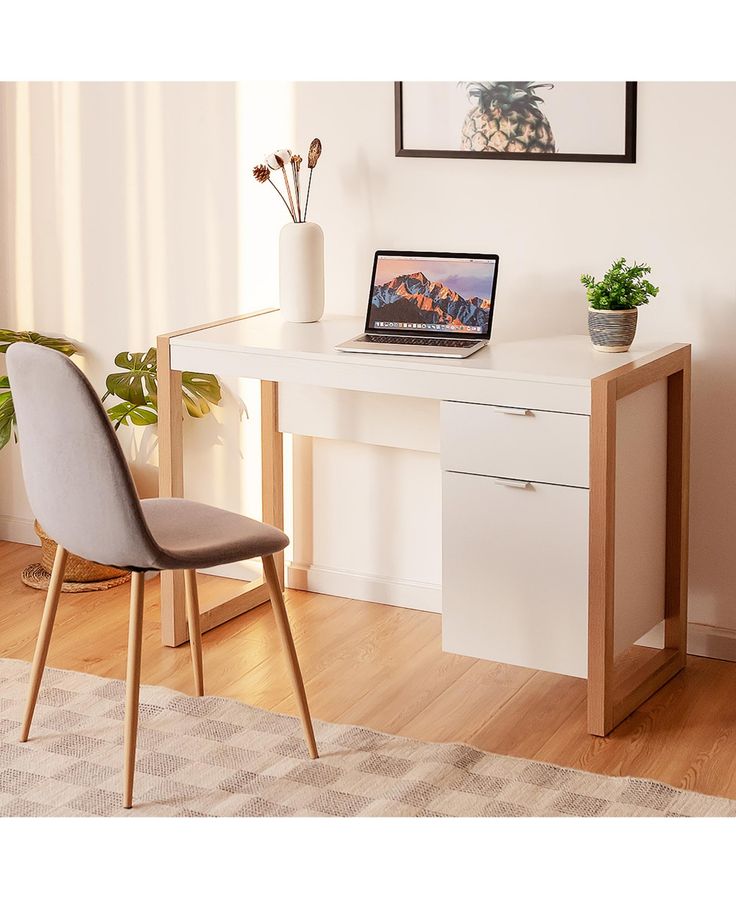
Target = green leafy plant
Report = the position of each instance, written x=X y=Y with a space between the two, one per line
x=622 y=287
x=137 y=388
x=8 y=427
x=7 y=338
x=7 y=411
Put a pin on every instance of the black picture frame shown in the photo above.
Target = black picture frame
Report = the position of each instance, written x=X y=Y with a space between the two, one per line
x=628 y=156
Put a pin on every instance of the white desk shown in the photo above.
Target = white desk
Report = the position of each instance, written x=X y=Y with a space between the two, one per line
x=565 y=489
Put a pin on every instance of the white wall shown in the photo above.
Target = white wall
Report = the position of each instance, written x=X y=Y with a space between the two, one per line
x=549 y=222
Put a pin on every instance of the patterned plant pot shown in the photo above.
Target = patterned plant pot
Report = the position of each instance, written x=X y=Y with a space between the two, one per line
x=612 y=330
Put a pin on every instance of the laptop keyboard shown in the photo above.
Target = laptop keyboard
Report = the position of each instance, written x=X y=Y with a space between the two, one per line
x=416 y=341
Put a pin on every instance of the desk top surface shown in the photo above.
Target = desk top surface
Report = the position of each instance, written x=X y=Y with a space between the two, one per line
x=564 y=360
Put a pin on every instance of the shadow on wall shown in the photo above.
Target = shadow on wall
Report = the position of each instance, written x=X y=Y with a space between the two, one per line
x=713 y=486
x=121 y=221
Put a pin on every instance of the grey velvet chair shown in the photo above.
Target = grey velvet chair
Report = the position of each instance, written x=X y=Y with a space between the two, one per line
x=80 y=489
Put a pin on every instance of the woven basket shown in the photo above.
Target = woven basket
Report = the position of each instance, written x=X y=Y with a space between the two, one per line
x=37 y=577
x=77 y=570
x=612 y=330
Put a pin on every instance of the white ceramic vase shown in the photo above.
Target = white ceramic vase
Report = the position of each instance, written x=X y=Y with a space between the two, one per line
x=302 y=272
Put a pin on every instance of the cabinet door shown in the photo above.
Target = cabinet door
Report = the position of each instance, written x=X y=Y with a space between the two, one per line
x=515 y=572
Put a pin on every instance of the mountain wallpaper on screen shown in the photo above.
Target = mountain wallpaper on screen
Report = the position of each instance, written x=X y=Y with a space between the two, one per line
x=417 y=300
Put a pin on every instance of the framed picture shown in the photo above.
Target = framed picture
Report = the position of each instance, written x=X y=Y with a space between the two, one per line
x=563 y=121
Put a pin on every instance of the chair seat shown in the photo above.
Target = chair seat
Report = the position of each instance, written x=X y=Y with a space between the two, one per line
x=194 y=535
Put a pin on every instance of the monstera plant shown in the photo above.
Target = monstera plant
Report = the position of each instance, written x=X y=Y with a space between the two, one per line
x=137 y=388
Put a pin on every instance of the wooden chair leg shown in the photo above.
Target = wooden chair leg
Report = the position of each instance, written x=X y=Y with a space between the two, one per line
x=282 y=622
x=133 y=683
x=195 y=633
x=44 y=637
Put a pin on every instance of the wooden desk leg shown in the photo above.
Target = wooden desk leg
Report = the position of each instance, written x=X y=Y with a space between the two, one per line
x=678 y=502
x=170 y=484
x=272 y=465
x=610 y=702
x=601 y=555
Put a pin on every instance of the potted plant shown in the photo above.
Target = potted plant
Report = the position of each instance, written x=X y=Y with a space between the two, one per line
x=136 y=388
x=613 y=304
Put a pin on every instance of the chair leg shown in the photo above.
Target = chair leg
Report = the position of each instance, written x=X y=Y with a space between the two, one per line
x=282 y=622
x=133 y=683
x=44 y=637
x=195 y=633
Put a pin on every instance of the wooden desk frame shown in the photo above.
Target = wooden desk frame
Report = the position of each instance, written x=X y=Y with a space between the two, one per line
x=610 y=702
x=610 y=698
x=174 y=630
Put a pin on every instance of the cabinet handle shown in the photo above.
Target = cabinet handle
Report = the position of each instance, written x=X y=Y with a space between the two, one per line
x=509 y=482
x=509 y=410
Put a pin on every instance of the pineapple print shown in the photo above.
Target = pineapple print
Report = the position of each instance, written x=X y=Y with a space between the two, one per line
x=506 y=118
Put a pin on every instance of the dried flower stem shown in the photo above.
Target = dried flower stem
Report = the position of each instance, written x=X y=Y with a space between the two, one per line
x=283 y=199
x=288 y=191
x=295 y=163
x=309 y=187
x=262 y=173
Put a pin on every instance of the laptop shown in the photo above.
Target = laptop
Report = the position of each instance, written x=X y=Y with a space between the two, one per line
x=428 y=304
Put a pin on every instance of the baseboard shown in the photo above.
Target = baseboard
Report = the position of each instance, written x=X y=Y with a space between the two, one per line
x=18 y=530
x=702 y=640
x=711 y=642
x=367 y=587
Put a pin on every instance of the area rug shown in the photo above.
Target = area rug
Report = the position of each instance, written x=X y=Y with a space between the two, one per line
x=217 y=757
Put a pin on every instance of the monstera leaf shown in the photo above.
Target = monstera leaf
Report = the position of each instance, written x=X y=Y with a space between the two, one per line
x=200 y=392
x=7 y=412
x=137 y=387
x=55 y=343
x=7 y=409
x=128 y=413
x=136 y=384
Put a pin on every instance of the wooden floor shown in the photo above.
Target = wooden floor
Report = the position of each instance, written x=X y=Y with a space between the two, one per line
x=383 y=667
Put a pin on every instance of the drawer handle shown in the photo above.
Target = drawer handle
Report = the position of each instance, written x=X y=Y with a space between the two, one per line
x=509 y=482
x=509 y=410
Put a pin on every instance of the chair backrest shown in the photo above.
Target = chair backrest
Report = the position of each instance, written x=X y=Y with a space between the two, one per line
x=77 y=480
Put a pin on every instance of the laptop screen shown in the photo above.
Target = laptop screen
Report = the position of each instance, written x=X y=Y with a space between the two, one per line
x=432 y=294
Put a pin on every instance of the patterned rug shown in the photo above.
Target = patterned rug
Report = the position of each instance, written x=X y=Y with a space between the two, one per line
x=217 y=757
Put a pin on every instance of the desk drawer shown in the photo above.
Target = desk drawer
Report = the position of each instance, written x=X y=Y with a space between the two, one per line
x=526 y=444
